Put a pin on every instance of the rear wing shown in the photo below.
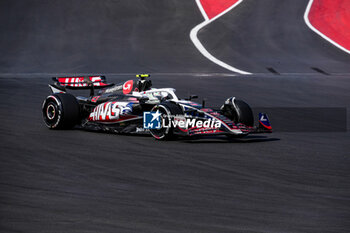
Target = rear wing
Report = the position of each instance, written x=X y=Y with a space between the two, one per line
x=89 y=82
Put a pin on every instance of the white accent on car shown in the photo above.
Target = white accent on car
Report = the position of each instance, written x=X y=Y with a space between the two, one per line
x=55 y=90
x=157 y=92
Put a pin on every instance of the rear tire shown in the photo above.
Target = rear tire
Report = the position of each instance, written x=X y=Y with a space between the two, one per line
x=61 y=111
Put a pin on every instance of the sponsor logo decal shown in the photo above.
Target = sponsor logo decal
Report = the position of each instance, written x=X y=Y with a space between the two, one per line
x=127 y=87
x=80 y=82
x=141 y=130
x=113 y=89
x=109 y=111
x=264 y=121
x=95 y=98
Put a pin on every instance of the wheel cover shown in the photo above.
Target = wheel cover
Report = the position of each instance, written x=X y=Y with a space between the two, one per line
x=165 y=117
x=52 y=112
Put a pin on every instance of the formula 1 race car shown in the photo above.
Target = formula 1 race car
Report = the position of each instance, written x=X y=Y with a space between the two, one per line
x=134 y=107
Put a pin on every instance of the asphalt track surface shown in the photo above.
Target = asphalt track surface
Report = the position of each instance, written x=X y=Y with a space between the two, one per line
x=100 y=37
x=80 y=181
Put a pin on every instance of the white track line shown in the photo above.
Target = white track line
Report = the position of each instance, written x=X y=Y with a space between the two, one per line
x=199 y=4
x=198 y=44
x=307 y=21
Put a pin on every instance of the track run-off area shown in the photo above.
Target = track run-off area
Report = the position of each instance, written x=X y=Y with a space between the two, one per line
x=331 y=20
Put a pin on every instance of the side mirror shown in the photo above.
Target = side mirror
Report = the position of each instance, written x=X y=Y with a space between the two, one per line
x=203 y=103
x=193 y=97
x=143 y=99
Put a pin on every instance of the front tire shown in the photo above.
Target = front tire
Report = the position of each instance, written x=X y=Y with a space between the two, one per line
x=167 y=110
x=60 y=111
x=238 y=111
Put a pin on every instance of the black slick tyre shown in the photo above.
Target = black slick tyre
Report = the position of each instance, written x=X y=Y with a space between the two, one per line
x=60 y=111
x=238 y=111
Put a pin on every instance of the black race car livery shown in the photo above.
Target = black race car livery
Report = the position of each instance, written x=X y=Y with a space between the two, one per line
x=134 y=107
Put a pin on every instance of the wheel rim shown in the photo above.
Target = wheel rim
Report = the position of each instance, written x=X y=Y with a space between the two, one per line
x=163 y=131
x=50 y=112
